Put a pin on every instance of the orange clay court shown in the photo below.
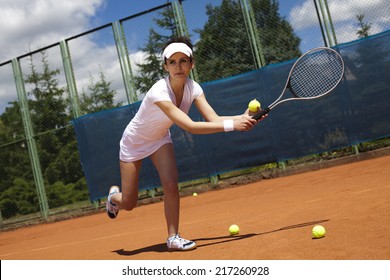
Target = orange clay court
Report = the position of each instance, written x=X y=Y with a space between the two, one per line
x=352 y=201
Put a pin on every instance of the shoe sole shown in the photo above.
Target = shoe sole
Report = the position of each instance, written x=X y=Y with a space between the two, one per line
x=112 y=215
x=177 y=249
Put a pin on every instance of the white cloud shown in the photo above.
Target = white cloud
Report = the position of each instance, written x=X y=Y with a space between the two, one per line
x=303 y=16
x=27 y=25
x=89 y=59
x=348 y=9
x=343 y=13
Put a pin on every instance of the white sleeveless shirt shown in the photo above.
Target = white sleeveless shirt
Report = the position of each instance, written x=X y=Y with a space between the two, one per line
x=149 y=129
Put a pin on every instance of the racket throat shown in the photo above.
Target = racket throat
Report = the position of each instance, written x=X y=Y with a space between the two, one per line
x=261 y=113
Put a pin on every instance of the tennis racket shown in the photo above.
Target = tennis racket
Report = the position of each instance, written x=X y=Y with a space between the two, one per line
x=315 y=74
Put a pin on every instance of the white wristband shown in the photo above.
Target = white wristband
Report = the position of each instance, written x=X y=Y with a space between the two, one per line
x=228 y=125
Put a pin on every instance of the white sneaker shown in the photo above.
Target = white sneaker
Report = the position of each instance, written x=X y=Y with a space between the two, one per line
x=112 y=209
x=176 y=243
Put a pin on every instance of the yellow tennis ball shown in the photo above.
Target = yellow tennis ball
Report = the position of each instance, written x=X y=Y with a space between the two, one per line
x=318 y=231
x=254 y=105
x=194 y=194
x=234 y=229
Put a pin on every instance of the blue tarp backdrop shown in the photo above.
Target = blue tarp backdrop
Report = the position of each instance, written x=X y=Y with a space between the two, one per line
x=357 y=111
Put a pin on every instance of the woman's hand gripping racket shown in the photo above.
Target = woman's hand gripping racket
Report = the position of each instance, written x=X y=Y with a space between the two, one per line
x=314 y=74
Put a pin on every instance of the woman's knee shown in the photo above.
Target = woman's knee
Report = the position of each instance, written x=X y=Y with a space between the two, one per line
x=128 y=206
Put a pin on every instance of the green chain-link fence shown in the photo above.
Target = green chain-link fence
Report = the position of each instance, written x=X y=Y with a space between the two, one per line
x=114 y=65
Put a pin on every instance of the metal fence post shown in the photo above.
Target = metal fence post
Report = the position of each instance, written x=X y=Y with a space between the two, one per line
x=253 y=33
x=69 y=74
x=123 y=55
x=32 y=148
x=330 y=22
x=326 y=23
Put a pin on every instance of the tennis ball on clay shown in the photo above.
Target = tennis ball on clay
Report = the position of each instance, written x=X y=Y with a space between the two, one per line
x=234 y=229
x=254 y=105
x=318 y=231
x=194 y=194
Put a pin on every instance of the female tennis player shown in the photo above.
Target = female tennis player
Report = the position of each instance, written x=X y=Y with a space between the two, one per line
x=147 y=135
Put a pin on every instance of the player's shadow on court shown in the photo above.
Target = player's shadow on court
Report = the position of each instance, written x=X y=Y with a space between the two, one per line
x=162 y=247
x=159 y=248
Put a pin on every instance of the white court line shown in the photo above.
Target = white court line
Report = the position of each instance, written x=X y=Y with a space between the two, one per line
x=76 y=242
x=92 y=240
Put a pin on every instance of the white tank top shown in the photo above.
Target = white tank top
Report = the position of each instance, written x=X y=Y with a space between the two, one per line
x=149 y=129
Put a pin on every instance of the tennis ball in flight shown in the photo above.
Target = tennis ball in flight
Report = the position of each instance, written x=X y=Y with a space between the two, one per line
x=194 y=194
x=318 y=231
x=234 y=229
x=254 y=105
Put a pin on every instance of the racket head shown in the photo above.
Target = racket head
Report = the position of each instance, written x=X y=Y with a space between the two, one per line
x=316 y=73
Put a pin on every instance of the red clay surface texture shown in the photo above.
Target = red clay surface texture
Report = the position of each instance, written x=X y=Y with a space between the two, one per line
x=275 y=216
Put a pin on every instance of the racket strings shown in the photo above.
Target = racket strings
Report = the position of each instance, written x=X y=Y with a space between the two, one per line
x=316 y=73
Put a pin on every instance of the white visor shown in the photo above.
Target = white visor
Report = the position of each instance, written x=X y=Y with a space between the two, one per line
x=177 y=47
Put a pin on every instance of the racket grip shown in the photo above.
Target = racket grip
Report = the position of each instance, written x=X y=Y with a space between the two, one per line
x=260 y=113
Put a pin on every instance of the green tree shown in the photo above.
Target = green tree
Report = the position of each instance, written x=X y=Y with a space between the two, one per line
x=278 y=40
x=15 y=166
x=48 y=109
x=224 y=50
x=19 y=199
x=99 y=97
x=364 y=28
x=55 y=140
x=47 y=103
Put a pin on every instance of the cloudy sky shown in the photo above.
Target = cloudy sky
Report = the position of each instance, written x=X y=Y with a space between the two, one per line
x=27 y=25
x=30 y=24
x=343 y=12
